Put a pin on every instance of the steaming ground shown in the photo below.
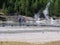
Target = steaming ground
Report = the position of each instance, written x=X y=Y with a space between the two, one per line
x=36 y=37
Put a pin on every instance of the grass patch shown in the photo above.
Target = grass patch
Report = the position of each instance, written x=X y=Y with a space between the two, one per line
x=53 y=43
x=15 y=43
x=23 y=43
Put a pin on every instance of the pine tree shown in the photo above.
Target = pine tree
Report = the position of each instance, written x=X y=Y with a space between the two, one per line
x=27 y=7
x=16 y=5
x=3 y=8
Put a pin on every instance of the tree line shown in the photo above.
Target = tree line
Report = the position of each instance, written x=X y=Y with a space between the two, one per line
x=29 y=7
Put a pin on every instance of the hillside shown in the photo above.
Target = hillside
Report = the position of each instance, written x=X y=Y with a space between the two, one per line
x=29 y=7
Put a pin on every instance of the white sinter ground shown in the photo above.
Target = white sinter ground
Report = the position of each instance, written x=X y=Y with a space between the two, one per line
x=38 y=37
